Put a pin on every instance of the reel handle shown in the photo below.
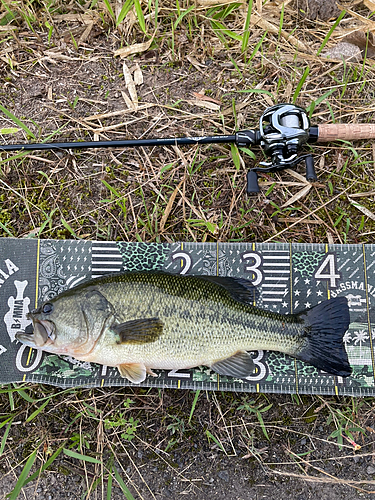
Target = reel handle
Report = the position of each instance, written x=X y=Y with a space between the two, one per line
x=310 y=169
x=252 y=176
x=252 y=182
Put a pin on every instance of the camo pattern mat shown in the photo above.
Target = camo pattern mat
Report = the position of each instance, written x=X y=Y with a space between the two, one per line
x=289 y=277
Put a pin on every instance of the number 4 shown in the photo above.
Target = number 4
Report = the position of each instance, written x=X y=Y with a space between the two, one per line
x=327 y=271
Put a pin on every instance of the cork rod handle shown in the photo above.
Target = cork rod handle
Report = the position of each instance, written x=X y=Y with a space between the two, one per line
x=346 y=131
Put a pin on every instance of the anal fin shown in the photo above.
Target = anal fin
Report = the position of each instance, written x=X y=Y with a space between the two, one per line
x=135 y=372
x=240 y=365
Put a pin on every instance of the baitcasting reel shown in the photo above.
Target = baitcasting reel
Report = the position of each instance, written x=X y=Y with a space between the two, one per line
x=283 y=130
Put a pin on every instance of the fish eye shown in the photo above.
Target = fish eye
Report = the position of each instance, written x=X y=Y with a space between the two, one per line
x=47 y=308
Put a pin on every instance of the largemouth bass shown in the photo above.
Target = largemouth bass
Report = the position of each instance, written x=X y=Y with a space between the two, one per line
x=153 y=320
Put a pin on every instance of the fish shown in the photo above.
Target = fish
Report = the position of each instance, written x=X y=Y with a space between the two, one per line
x=143 y=321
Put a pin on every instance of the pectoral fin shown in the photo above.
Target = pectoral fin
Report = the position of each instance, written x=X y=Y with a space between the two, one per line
x=240 y=365
x=135 y=372
x=138 y=331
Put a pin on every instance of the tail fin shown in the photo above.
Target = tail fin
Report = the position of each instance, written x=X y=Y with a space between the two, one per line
x=326 y=325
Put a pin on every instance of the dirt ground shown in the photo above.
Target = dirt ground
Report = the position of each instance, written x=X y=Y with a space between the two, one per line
x=297 y=458
x=250 y=467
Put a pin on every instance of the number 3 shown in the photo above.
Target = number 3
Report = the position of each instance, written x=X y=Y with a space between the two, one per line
x=257 y=273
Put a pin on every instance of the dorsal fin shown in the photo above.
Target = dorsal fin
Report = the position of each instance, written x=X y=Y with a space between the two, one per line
x=240 y=289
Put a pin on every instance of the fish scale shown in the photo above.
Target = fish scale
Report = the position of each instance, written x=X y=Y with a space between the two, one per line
x=230 y=329
x=154 y=320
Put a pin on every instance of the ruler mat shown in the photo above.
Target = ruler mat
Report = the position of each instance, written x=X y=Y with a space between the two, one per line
x=289 y=278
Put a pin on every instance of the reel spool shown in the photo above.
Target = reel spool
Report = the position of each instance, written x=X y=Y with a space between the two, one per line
x=283 y=130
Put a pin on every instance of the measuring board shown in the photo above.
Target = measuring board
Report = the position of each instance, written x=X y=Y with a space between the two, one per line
x=290 y=278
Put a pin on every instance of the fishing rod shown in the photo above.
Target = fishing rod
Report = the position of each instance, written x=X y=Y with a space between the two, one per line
x=283 y=130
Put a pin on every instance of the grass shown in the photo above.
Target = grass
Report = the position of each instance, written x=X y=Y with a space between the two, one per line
x=138 y=442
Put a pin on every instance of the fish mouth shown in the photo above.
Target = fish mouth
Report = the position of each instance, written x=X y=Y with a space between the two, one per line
x=43 y=334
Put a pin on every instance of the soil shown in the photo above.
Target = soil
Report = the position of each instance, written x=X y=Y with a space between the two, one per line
x=250 y=467
x=318 y=9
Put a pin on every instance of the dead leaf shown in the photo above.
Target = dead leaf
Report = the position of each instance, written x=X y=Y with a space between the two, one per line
x=102 y=116
x=130 y=85
x=138 y=75
x=296 y=175
x=365 y=194
x=194 y=61
x=128 y=101
x=197 y=65
x=204 y=104
x=86 y=18
x=50 y=55
x=367 y=22
x=86 y=33
x=343 y=50
x=136 y=48
x=297 y=196
x=203 y=97
x=330 y=238
x=339 y=162
x=169 y=206
x=362 y=40
x=267 y=26
x=210 y=3
x=370 y=4
x=362 y=209
x=8 y=28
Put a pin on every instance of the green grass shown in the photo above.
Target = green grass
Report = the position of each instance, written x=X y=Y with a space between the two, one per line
x=139 y=441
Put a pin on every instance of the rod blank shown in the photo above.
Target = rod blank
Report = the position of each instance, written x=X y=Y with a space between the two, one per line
x=120 y=144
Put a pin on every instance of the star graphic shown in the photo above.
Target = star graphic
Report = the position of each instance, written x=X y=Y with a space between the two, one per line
x=319 y=293
x=307 y=281
x=307 y=305
x=284 y=304
x=296 y=292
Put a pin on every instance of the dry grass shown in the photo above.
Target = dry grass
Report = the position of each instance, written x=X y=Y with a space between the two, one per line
x=207 y=69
